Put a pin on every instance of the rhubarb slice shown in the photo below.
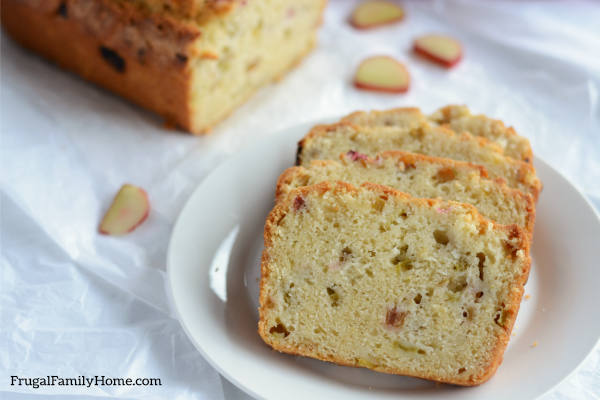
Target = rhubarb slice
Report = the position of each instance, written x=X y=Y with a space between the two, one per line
x=128 y=210
x=438 y=48
x=371 y=14
x=382 y=74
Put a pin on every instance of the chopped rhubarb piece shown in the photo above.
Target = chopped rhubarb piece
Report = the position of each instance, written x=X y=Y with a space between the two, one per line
x=355 y=155
x=299 y=203
x=441 y=49
x=371 y=14
x=128 y=210
x=382 y=74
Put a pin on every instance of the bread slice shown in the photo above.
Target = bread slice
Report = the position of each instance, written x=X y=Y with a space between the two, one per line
x=460 y=119
x=420 y=176
x=457 y=118
x=327 y=142
x=191 y=61
x=371 y=277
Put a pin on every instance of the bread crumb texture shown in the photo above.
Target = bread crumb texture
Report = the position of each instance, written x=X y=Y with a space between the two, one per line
x=421 y=176
x=381 y=280
x=458 y=118
x=327 y=142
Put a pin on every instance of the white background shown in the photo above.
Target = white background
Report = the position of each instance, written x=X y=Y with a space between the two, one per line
x=76 y=303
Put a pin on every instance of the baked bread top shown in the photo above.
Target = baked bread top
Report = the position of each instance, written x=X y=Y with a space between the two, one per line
x=193 y=9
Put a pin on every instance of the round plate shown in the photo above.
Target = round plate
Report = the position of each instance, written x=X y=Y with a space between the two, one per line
x=214 y=268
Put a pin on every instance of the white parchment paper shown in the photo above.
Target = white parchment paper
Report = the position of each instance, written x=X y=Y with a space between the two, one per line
x=76 y=303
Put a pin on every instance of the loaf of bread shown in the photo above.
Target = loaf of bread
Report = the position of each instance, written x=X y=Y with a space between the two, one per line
x=191 y=61
x=371 y=277
x=327 y=142
x=420 y=176
x=457 y=118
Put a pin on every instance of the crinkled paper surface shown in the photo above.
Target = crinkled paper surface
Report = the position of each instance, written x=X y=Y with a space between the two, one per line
x=76 y=303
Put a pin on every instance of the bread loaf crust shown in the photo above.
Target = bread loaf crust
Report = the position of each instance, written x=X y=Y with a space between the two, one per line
x=190 y=8
x=512 y=308
x=148 y=51
x=118 y=48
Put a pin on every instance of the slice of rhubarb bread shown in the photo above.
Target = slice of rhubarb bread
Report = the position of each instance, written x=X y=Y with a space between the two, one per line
x=372 y=277
x=327 y=142
x=420 y=176
x=460 y=119
x=457 y=118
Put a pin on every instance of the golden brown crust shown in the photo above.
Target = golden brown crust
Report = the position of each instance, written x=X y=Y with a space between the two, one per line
x=279 y=212
x=198 y=10
x=530 y=201
x=285 y=179
x=512 y=308
x=528 y=176
x=108 y=45
x=137 y=51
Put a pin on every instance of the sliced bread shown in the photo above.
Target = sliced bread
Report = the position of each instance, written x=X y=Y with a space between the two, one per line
x=327 y=142
x=372 y=277
x=457 y=118
x=460 y=119
x=420 y=176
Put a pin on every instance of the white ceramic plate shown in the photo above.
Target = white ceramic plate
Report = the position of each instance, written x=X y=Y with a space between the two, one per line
x=214 y=267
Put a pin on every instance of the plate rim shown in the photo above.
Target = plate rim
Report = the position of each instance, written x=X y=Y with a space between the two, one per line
x=305 y=126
